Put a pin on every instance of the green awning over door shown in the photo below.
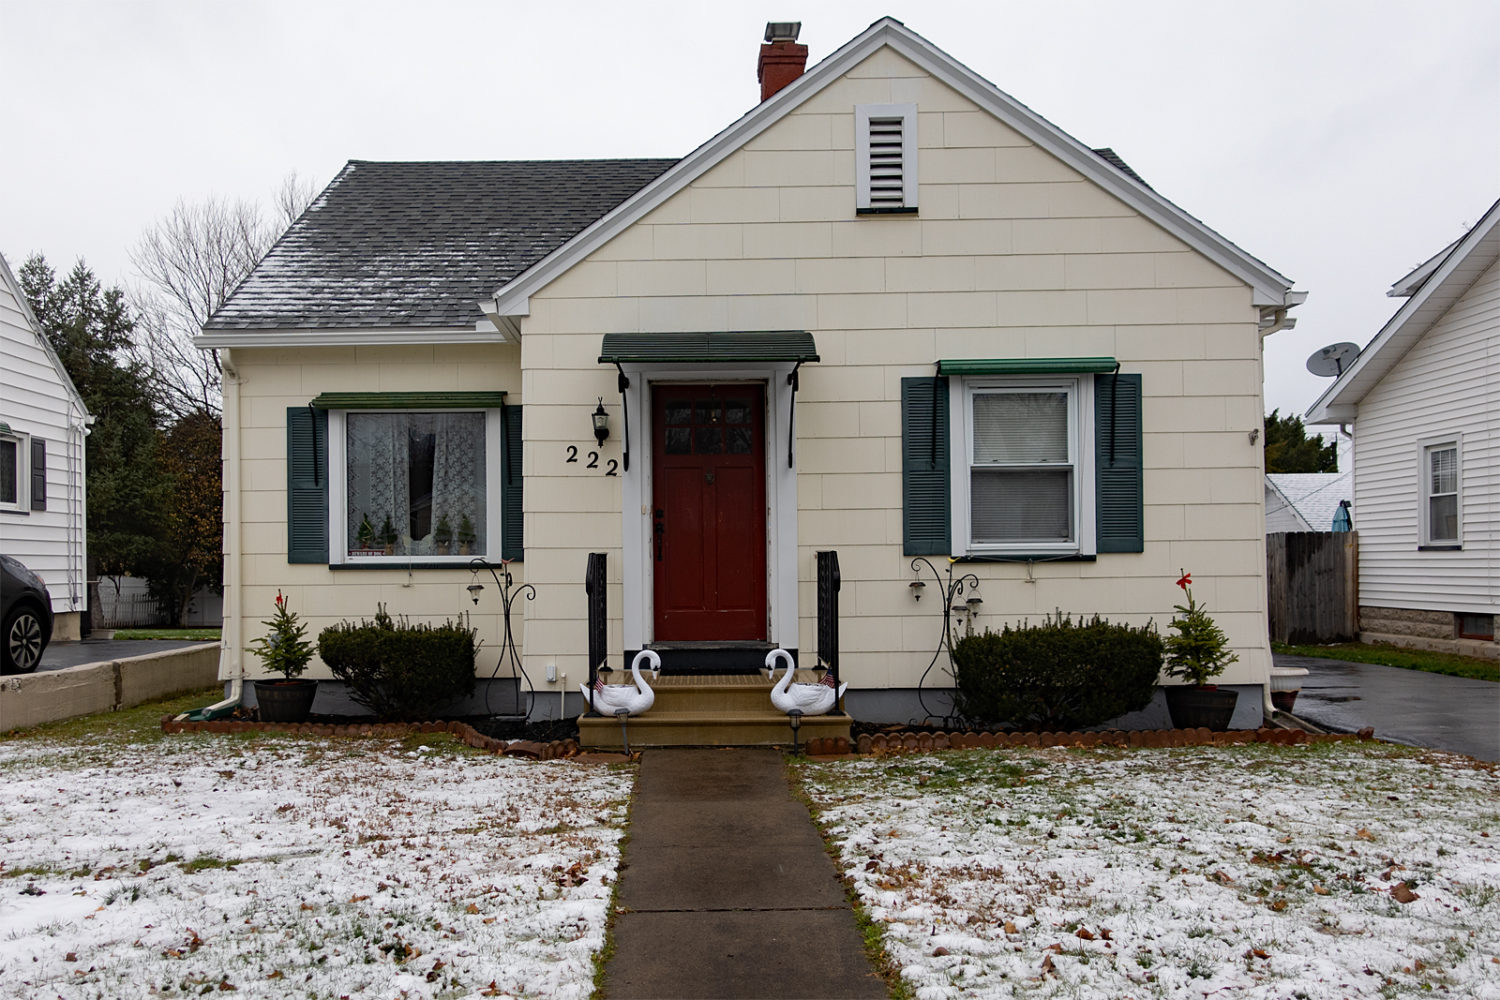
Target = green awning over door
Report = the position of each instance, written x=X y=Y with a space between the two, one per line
x=734 y=345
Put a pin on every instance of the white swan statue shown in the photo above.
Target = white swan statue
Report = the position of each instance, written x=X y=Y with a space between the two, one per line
x=809 y=699
x=615 y=699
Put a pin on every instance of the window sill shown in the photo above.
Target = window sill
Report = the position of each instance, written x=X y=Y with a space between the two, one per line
x=396 y=564
x=999 y=557
x=1439 y=548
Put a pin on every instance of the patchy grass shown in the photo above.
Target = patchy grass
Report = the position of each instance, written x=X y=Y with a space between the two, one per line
x=139 y=864
x=203 y=634
x=1349 y=870
x=130 y=725
x=1392 y=656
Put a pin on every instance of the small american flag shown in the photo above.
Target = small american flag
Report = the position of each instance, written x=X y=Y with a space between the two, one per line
x=828 y=681
x=599 y=682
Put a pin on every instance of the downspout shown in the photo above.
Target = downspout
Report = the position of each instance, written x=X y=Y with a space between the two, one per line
x=231 y=648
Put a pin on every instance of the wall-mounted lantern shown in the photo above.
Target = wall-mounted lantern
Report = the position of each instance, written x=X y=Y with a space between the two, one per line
x=601 y=422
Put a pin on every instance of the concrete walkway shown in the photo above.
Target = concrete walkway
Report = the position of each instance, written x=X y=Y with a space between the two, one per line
x=725 y=890
x=1405 y=706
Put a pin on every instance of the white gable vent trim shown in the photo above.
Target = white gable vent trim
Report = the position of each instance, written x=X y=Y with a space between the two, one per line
x=885 y=141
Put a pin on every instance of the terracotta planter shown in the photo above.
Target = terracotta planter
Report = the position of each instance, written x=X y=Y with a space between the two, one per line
x=285 y=701
x=1207 y=707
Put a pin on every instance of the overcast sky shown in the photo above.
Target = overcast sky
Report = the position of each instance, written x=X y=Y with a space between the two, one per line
x=1342 y=143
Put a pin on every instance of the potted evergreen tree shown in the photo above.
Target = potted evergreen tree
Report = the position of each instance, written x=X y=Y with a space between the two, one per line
x=466 y=536
x=443 y=536
x=284 y=649
x=1197 y=650
x=388 y=536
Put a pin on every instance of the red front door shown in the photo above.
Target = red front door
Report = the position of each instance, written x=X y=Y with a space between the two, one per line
x=709 y=508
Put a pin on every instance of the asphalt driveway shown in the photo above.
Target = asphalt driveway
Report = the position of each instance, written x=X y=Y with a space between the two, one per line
x=76 y=653
x=1405 y=706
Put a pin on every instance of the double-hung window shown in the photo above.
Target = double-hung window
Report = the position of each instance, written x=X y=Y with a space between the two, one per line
x=1022 y=458
x=403 y=479
x=13 y=473
x=1025 y=480
x=413 y=483
x=1440 y=511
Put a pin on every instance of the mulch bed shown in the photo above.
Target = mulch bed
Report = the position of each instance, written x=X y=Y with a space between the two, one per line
x=865 y=743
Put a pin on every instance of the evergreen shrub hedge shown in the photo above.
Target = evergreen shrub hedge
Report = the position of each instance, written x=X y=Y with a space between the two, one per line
x=1058 y=676
x=400 y=671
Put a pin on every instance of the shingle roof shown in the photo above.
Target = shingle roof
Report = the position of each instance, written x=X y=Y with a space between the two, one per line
x=1313 y=495
x=417 y=244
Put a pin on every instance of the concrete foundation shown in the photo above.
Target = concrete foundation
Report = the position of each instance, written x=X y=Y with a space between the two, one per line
x=1415 y=628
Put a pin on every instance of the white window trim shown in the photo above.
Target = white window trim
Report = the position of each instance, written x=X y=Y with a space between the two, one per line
x=23 y=473
x=909 y=146
x=338 y=492
x=1425 y=448
x=1080 y=388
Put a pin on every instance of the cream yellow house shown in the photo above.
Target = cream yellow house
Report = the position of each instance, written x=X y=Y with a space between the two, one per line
x=889 y=313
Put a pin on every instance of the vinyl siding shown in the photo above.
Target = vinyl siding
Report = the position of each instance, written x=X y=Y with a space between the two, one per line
x=1447 y=385
x=36 y=401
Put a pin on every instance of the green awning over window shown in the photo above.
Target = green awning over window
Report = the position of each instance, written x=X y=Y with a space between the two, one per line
x=408 y=400
x=748 y=345
x=1027 y=366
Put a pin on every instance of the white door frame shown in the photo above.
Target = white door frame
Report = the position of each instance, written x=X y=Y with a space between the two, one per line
x=781 y=496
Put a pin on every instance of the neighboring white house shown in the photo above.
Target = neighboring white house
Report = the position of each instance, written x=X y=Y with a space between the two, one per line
x=889 y=312
x=43 y=424
x=1424 y=399
x=1305 y=501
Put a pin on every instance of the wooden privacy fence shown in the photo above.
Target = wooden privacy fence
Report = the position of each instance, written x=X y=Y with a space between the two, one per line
x=1312 y=582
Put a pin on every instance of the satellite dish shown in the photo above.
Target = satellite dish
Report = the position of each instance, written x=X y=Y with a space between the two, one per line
x=1333 y=359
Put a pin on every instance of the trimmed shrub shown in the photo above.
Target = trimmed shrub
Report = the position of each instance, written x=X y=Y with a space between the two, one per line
x=401 y=671
x=1057 y=676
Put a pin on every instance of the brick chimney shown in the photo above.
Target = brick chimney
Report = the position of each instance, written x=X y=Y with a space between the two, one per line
x=782 y=60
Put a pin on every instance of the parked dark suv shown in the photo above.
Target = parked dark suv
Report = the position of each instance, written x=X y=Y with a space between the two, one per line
x=26 y=610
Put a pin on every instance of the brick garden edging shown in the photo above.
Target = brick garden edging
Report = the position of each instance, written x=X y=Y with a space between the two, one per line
x=465 y=732
x=878 y=744
x=887 y=743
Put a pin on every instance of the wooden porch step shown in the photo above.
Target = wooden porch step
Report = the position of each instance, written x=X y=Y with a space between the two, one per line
x=707 y=728
x=711 y=710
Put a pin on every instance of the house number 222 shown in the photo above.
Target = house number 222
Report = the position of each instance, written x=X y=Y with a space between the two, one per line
x=611 y=466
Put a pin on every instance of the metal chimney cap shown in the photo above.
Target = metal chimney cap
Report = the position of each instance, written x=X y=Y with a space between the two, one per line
x=783 y=31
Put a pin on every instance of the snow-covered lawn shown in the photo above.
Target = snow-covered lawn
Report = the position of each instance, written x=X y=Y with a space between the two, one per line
x=284 y=867
x=1267 y=872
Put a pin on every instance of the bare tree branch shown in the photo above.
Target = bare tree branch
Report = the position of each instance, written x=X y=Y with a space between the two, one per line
x=191 y=262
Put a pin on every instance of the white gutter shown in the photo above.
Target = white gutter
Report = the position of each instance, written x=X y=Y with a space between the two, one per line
x=230 y=646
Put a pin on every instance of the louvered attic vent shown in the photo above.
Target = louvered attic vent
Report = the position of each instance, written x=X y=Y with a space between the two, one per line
x=886 y=170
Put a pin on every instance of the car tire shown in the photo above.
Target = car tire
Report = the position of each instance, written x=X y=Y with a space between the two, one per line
x=22 y=641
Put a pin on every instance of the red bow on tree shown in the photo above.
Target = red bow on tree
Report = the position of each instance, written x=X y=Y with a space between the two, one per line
x=1185 y=581
x=280 y=601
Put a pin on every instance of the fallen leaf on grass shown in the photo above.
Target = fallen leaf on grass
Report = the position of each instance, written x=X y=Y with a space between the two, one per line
x=1278 y=905
x=1047 y=967
x=1085 y=933
x=1364 y=834
x=471 y=908
x=1402 y=894
x=1010 y=928
x=1320 y=890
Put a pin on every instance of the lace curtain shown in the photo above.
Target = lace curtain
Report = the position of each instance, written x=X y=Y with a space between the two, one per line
x=423 y=471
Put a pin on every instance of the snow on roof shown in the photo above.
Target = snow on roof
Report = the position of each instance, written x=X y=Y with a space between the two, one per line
x=398 y=244
x=1314 y=496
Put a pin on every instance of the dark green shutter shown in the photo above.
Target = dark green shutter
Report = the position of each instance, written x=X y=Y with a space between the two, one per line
x=925 y=488
x=306 y=485
x=511 y=525
x=1117 y=467
x=38 y=474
